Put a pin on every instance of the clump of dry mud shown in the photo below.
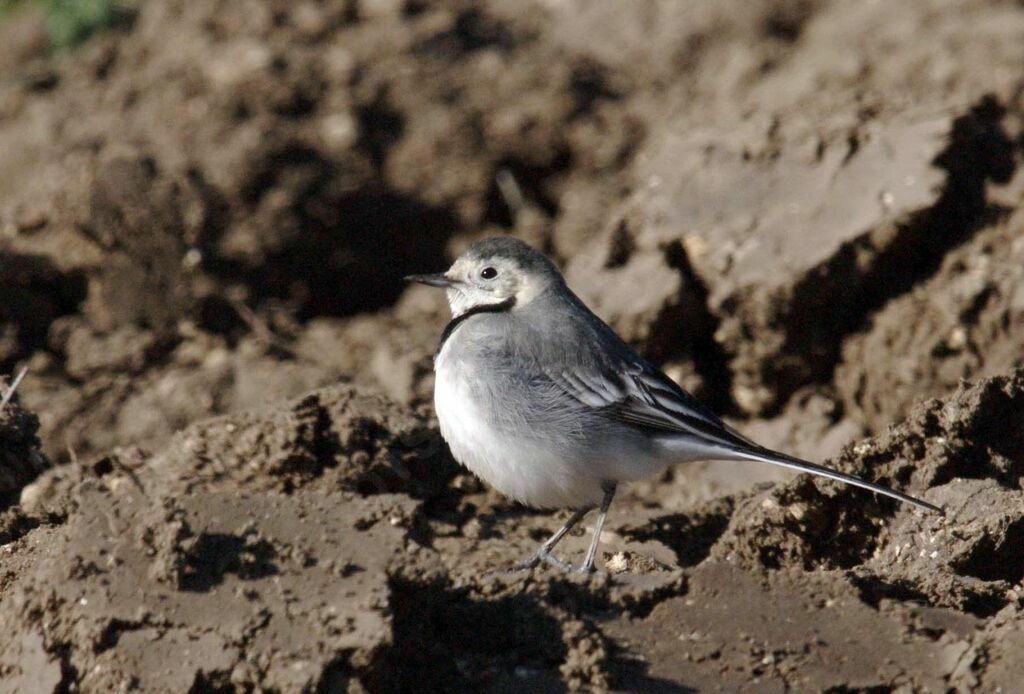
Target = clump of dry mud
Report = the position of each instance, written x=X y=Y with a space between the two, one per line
x=330 y=541
x=253 y=550
x=21 y=461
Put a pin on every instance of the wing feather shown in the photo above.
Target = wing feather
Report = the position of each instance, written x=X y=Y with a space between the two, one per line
x=602 y=372
x=639 y=395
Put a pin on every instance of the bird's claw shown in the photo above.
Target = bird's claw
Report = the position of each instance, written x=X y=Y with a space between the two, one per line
x=589 y=570
x=536 y=558
x=556 y=562
x=532 y=561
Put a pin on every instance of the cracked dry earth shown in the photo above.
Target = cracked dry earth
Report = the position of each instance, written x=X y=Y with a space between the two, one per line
x=329 y=543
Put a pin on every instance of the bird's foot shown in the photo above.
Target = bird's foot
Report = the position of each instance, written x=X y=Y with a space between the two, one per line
x=585 y=570
x=556 y=562
x=589 y=570
x=532 y=561
x=538 y=557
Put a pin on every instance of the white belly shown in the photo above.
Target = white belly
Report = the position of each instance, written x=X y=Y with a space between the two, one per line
x=523 y=467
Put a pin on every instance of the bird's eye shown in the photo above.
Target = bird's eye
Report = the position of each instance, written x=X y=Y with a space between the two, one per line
x=488 y=273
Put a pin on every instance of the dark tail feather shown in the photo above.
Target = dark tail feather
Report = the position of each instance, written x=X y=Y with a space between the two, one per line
x=765 y=455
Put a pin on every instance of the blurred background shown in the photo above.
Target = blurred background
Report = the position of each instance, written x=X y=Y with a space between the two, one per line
x=805 y=211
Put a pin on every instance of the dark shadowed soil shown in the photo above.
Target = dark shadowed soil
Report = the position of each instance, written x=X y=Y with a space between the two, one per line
x=223 y=473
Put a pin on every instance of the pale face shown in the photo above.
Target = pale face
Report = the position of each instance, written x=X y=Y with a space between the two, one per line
x=493 y=272
x=483 y=281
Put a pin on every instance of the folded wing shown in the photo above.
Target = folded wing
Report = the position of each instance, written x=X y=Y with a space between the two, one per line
x=638 y=395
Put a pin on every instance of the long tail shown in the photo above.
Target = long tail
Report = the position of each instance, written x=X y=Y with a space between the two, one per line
x=765 y=455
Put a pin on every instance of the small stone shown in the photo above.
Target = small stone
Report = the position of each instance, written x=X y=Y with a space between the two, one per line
x=242 y=673
x=339 y=131
x=617 y=563
x=30 y=219
x=957 y=339
x=34 y=495
x=192 y=259
x=472 y=529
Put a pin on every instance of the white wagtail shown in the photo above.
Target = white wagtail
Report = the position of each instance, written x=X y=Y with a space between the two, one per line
x=540 y=398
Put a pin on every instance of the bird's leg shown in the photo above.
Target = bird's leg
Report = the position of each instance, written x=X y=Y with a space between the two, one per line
x=543 y=552
x=588 y=561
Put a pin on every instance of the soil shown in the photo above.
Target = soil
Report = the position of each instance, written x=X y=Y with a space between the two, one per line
x=222 y=471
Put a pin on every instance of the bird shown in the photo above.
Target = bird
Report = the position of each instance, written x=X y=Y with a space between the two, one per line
x=539 y=397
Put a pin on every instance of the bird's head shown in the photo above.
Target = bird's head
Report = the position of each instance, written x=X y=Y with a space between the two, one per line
x=493 y=272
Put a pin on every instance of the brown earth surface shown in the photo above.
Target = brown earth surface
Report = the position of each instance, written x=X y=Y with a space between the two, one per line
x=222 y=471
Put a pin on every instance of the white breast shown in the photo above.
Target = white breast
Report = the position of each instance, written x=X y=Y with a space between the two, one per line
x=523 y=467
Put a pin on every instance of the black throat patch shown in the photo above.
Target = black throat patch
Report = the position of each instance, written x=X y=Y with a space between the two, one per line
x=505 y=305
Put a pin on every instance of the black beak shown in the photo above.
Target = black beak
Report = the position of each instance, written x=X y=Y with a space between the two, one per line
x=436 y=280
